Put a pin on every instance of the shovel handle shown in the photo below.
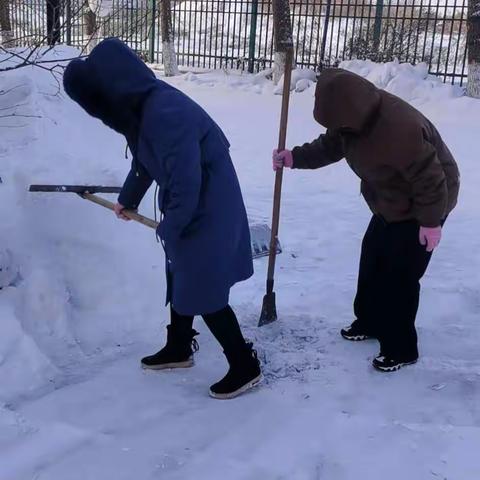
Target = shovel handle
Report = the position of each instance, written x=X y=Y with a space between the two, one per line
x=287 y=79
x=148 y=222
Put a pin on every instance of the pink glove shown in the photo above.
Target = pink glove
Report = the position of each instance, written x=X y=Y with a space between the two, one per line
x=430 y=237
x=282 y=159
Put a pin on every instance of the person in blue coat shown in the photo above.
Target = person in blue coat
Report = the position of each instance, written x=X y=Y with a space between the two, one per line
x=204 y=228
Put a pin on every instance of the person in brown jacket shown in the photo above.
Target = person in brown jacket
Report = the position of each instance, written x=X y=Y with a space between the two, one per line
x=410 y=181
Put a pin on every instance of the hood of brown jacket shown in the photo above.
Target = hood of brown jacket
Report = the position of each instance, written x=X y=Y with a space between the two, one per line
x=344 y=100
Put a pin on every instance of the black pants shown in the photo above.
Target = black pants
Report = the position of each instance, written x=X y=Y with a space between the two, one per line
x=223 y=325
x=391 y=266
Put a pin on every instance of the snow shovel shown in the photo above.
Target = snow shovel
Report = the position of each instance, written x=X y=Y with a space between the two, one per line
x=259 y=233
x=283 y=44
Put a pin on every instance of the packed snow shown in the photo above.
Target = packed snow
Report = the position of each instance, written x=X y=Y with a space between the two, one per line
x=83 y=301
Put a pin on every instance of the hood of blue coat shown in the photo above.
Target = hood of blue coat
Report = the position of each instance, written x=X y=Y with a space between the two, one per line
x=111 y=85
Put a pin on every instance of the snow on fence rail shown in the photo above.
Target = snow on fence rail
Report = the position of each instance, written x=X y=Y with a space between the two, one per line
x=239 y=33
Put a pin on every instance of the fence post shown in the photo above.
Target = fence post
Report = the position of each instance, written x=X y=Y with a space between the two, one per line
x=68 y=21
x=153 y=31
x=253 y=36
x=377 y=27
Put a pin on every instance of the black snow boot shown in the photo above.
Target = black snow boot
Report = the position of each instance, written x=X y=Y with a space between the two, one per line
x=387 y=364
x=244 y=374
x=177 y=353
x=355 y=332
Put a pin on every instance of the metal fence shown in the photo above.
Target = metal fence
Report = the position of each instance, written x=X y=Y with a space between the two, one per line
x=239 y=33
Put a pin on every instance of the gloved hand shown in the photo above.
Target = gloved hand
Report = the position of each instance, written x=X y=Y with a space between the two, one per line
x=430 y=237
x=282 y=159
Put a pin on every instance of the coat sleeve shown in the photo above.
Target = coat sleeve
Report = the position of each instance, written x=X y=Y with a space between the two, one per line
x=428 y=182
x=323 y=151
x=136 y=184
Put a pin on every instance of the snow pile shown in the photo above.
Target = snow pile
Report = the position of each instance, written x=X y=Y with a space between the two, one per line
x=23 y=366
x=302 y=79
x=409 y=82
x=261 y=83
x=51 y=245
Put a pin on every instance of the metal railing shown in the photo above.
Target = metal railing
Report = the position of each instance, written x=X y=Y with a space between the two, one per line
x=239 y=33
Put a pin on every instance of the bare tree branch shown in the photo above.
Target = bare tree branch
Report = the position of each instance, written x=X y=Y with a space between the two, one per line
x=11 y=107
x=5 y=92
x=20 y=116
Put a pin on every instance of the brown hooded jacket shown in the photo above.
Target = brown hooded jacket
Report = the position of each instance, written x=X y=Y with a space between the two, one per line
x=407 y=171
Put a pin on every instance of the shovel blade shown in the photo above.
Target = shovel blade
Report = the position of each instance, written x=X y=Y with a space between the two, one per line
x=269 y=310
x=260 y=235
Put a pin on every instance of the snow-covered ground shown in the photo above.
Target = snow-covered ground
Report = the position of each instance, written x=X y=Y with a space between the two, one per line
x=87 y=303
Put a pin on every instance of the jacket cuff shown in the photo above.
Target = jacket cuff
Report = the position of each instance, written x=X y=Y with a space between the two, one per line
x=296 y=155
x=431 y=221
x=126 y=200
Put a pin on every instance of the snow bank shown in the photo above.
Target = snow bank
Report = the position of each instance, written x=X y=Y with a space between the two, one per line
x=409 y=82
x=302 y=79
x=261 y=83
x=51 y=245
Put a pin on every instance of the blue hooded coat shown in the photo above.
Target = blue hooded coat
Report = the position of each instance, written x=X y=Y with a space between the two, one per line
x=175 y=143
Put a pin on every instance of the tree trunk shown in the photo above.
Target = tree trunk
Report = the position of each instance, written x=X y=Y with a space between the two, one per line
x=53 y=21
x=473 y=44
x=282 y=31
x=168 y=47
x=279 y=60
x=6 y=32
x=91 y=29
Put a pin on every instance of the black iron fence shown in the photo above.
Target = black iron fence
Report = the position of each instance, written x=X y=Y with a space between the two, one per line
x=239 y=33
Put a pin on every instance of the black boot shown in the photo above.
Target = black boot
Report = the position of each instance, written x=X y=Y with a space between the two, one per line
x=244 y=370
x=177 y=353
x=244 y=374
